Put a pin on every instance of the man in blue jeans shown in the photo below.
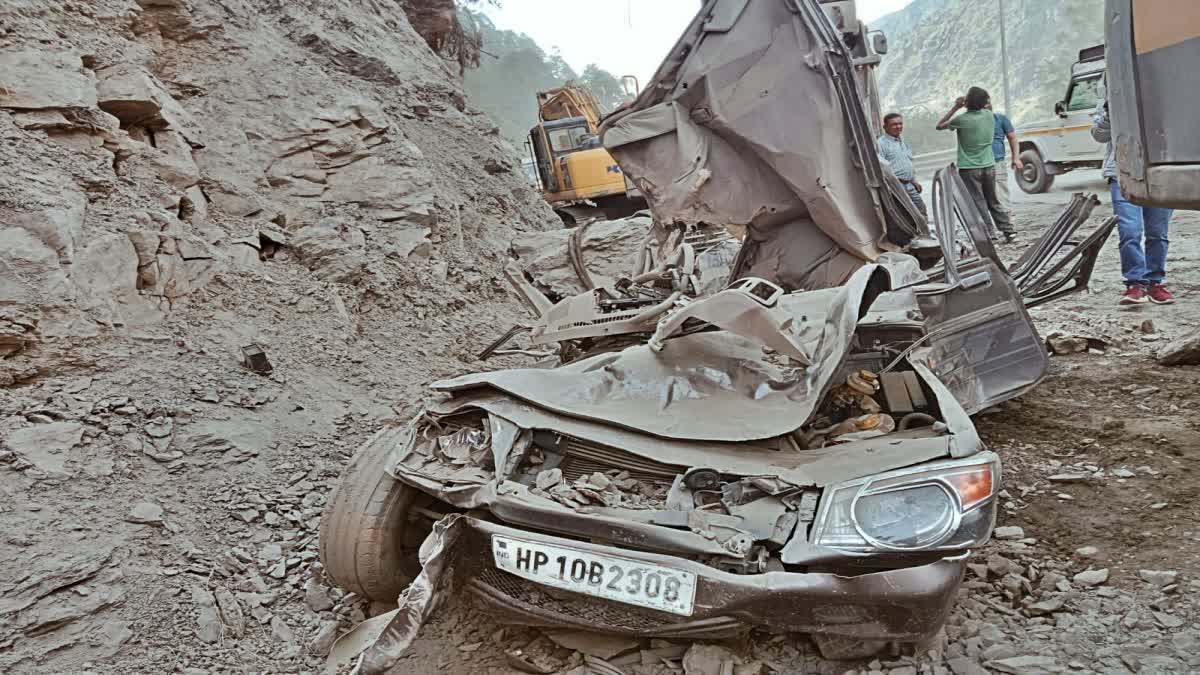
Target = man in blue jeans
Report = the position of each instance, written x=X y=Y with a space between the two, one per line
x=1144 y=268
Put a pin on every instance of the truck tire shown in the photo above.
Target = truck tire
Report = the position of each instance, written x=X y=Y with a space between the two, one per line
x=368 y=542
x=1033 y=179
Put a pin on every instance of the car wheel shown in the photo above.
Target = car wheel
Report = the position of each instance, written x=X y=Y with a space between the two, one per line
x=368 y=537
x=1033 y=178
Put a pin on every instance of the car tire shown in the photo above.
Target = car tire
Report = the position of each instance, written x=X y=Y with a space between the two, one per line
x=1033 y=178
x=368 y=542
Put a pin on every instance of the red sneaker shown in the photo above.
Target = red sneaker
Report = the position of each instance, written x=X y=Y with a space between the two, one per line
x=1134 y=295
x=1159 y=295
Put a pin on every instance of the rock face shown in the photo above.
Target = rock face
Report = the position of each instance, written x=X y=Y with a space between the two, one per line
x=37 y=80
x=153 y=151
x=183 y=179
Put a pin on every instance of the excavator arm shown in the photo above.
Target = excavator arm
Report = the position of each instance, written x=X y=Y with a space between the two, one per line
x=569 y=100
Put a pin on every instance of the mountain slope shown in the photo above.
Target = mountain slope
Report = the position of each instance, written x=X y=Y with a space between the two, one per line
x=938 y=48
x=513 y=68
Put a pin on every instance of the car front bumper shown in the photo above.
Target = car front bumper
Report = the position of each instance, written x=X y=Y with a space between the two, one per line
x=901 y=605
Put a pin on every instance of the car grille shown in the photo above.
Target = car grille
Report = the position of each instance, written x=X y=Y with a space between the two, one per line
x=585 y=457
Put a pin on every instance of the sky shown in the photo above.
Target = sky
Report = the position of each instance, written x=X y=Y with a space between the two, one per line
x=625 y=37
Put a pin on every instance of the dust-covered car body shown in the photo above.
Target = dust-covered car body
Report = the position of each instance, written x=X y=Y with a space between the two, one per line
x=791 y=449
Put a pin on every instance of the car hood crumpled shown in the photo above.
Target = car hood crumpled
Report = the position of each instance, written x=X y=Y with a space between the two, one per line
x=748 y=122
x=715 y=386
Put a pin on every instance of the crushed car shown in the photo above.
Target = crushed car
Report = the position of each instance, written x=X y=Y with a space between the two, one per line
x=765 y=421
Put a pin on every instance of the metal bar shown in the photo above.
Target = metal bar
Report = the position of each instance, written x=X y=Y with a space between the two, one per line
x=1004 y=57
x=1084 y=255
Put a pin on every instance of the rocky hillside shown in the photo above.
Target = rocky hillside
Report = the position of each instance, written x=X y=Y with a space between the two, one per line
x=185 y=178
x=938 y=48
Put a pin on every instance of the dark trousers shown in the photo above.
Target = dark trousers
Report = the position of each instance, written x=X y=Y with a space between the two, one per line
x=981 y=183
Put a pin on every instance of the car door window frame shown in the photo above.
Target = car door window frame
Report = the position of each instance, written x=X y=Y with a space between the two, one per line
x=1077 y=85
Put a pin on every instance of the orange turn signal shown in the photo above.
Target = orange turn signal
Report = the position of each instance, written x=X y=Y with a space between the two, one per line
x=974 y=486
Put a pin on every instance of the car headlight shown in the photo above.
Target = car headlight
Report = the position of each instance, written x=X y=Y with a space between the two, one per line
x=943 y=505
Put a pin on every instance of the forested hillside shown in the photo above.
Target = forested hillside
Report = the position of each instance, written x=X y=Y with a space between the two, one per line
x=512 y=68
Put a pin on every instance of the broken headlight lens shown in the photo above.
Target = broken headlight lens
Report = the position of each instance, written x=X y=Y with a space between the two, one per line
x=945 y=505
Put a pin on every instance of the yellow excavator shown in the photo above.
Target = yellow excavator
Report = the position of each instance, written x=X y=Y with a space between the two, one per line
x=576 y=174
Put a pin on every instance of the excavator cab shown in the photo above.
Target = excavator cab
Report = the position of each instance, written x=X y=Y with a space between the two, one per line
x=1153 y=47
x=570 y=162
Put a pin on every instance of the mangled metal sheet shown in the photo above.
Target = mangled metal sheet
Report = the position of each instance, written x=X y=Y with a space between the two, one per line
x=706 y=386
x=609 y=249
x=749 y=125
x=742 y=311
x=815 y=467
x=375 y=646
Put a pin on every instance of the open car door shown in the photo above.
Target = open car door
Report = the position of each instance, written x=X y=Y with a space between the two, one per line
x=983 y=341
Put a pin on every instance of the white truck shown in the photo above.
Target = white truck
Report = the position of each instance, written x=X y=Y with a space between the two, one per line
x=1065 y=143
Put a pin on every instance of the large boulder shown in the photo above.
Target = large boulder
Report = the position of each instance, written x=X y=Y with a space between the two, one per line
x=106 y=278
x=333 y=249
x=46 y=447
x=137 y=98
x=48 y=204
x=30 y=272
x=32 y=80
x=1183 y=351
x=168 y=159
x=609 y=248
x=385 y=190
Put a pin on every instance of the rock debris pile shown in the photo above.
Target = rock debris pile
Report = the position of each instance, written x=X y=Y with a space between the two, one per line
x=188 y=178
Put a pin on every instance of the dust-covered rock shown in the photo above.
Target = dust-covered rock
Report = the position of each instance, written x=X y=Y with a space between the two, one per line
x=1158 y=577
x=1182 y=351
x=334 y=249
x=147 y=513
x=208 y=621
x=281 y=632
x=1091 y=577
x=609 y=249
x=324 y=638
x=46 y=448
x=33 y=78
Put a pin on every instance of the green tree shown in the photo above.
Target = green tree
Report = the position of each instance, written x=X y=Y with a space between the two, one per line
x=513 y=68
x=603 y=85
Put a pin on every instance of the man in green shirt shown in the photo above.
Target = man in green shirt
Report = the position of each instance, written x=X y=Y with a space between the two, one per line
x=976 y=164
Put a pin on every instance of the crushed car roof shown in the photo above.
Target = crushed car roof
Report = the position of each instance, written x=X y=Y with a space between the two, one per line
x=716 y=386
x=754 y=119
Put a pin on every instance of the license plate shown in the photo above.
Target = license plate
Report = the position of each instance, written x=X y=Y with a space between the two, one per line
x=624 y=580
